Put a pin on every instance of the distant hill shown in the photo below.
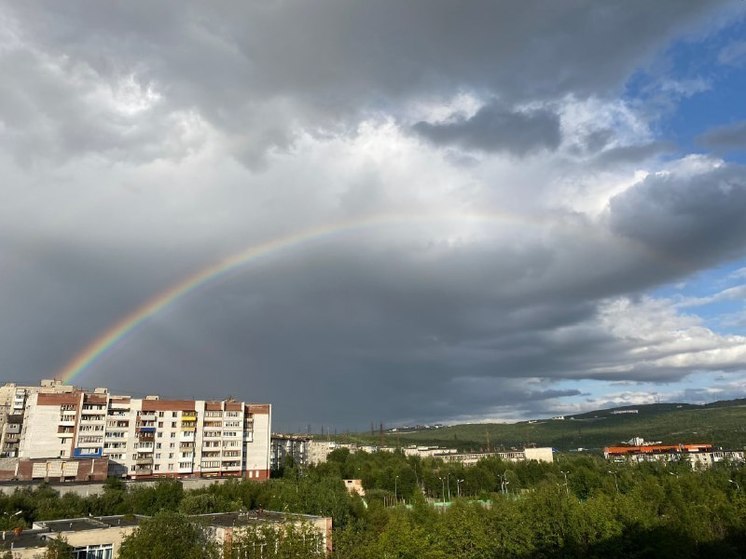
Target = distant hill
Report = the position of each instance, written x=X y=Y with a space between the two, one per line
x=720 y=423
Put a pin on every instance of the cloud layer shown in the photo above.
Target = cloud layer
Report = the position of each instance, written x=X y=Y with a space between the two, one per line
x=496 y=211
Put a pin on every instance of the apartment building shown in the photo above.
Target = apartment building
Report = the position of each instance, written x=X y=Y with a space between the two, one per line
x=12 y=404
x=148 y=437
x=294 y=446
x=702 y=455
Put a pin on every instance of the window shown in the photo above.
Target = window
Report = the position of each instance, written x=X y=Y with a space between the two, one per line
x=174 y=414
x=173 y=425
x=104 y=551
x=160 y=424
x=157 y=455
x=173 y=435
x=160 y=414
x=170 y=454
x=157 y=445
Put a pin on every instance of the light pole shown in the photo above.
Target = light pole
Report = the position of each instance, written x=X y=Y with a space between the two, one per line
x=396 y=489
x=443 y=484
x=448 y=480
x=616 y=483
x=567 y=489
x=458 y=487
x=7 y=516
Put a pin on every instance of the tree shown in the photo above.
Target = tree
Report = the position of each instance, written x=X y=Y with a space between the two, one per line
x=169 y=535
x=57 y=549
x=284 y=541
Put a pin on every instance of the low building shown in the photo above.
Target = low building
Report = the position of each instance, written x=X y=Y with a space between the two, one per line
x=699 y=455
x=98 y=537
x=544 y=454
x=41 y=469
x=354 y=486
x=101 y=537
x=228 y=527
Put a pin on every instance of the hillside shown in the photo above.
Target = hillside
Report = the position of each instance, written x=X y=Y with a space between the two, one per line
x=720 y=423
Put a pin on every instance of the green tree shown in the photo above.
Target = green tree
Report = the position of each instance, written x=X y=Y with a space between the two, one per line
x=57 y=549
x=169 y=535
x=268 y=541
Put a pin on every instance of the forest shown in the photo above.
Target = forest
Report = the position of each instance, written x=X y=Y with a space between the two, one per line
x=578 y=506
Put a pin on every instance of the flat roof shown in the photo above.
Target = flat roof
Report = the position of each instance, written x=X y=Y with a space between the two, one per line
x=228 y=519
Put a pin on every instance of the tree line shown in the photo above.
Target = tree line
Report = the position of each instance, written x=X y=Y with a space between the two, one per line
x=578 y=506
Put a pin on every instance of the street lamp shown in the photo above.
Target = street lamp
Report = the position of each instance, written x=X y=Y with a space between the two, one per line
x=458 y=487
x=567 y=489
x=443 y=484
x=7 y=516
x=448 y=480
x=396 y=489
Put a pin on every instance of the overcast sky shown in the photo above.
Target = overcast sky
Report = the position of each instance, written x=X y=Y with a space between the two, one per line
x=532 y=207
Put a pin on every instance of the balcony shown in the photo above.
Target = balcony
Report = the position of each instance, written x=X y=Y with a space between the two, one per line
x=189 y=416
x=147 y=417
x=144 y=461
x=144 y=429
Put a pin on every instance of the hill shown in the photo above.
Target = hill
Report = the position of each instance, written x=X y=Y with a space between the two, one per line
x=720 y=423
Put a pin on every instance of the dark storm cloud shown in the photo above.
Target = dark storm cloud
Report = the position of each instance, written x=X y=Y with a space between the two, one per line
x=257 y=71
x=690 y=219
x=495 y=128
x=119 y=124
x=724 y=138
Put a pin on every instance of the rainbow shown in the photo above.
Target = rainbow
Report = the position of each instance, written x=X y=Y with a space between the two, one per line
x=116 y=333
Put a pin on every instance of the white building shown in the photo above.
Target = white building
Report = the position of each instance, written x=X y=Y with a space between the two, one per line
x=148 y=437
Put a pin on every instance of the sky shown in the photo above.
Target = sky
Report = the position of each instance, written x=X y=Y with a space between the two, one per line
x=450 y=212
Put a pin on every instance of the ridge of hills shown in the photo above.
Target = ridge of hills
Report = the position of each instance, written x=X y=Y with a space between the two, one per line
x=722 y=424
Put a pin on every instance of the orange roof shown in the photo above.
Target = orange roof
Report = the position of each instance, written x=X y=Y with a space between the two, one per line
x=657 y=449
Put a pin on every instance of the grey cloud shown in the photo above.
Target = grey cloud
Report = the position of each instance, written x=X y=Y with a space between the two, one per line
x=723 y=138
x=496 y=128
x=259 y=71
x=691 y=220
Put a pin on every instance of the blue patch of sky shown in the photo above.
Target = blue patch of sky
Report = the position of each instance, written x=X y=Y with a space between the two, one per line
x=698 y=387
x=716 y=94
x=721 y=317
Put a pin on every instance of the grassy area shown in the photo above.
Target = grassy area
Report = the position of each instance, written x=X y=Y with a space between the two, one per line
x=722 y=424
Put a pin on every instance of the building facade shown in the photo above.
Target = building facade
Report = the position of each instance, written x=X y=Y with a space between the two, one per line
x=289 y=446
x=146 y=437
x=698 y=455
x=13 y=399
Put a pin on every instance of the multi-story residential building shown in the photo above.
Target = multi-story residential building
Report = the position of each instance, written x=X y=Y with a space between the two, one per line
x=293 y=446
x=148 y=437
x=12 y=404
